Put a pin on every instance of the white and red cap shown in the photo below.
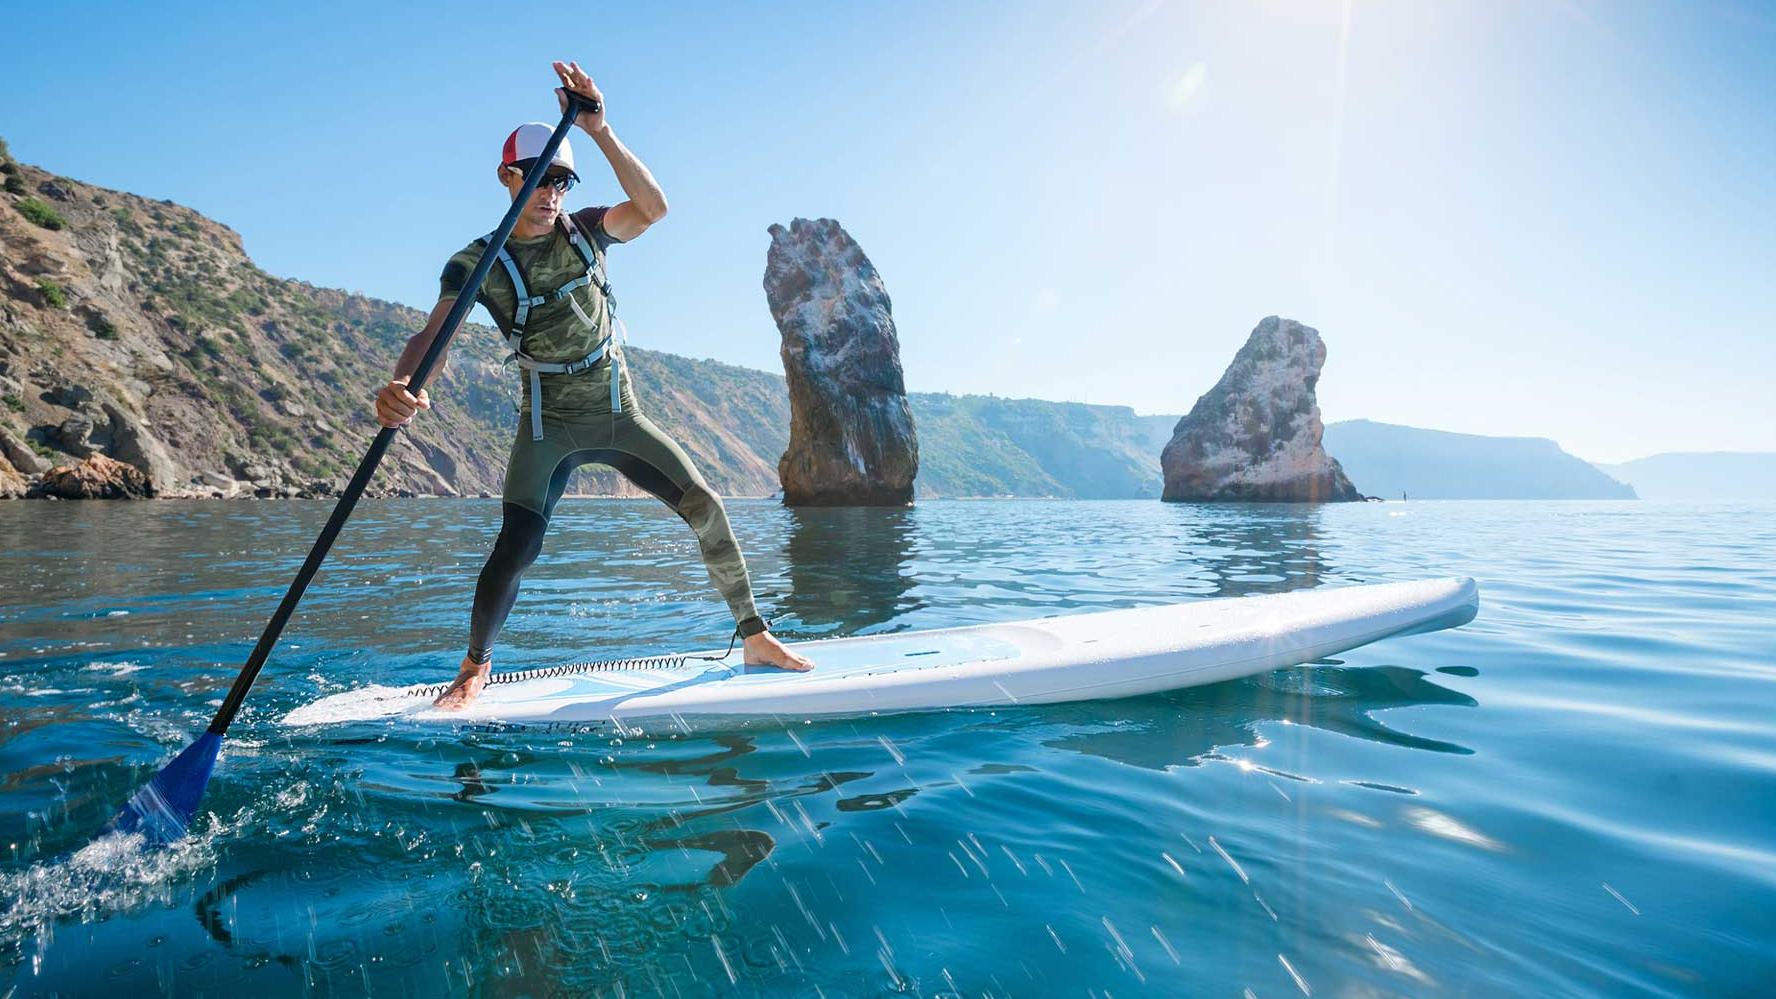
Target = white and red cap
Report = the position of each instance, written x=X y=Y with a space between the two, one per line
x=527 y=141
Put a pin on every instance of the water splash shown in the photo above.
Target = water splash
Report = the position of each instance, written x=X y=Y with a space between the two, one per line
x=115 y=873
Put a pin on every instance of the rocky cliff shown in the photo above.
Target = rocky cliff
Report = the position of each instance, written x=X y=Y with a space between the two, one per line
x=1256 y=434
x=851 y=438
x=140 y=330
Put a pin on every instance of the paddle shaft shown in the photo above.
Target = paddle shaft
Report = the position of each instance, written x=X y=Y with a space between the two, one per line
x=342 y=511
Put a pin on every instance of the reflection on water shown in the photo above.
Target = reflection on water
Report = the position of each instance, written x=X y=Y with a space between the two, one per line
x=849 y=569
x=1247 y=549
x=1334 y=817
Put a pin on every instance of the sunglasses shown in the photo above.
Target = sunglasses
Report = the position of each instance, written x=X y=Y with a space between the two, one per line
x=560 y=180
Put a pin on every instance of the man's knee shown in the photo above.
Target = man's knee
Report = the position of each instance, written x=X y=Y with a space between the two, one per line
x=701 y=508
x=520 y=539
x=524 y=549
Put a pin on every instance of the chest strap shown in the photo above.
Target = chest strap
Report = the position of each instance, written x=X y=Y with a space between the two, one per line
x=607 y=348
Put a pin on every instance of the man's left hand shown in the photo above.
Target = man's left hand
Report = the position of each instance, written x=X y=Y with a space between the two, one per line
x=574 y=79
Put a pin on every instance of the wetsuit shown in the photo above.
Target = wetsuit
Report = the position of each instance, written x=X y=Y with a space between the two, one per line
x=581 y=422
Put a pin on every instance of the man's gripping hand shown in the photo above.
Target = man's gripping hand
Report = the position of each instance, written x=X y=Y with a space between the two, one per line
x=395 y=406
x=574 y=79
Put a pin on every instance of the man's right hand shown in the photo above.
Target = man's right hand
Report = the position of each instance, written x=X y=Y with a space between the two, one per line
x=395 y=405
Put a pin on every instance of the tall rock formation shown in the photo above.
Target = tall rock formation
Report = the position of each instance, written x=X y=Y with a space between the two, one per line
x=851 y=437
x=1255 y=436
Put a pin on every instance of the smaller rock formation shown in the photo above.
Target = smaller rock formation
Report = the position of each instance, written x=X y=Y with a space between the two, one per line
x=98 y=477
x=219 y=486
x=851 y=437
x=1256 y=434
x=132 y=442
x=74 y=435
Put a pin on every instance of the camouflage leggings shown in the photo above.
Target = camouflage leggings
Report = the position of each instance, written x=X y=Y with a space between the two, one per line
x=537 y=475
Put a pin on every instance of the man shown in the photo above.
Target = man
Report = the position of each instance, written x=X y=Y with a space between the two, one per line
x=550 y=299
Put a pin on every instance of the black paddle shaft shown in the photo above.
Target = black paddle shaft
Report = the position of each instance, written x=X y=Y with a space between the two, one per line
x=465 y=300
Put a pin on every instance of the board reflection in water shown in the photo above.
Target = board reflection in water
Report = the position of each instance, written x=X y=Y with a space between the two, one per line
x=1189 y=727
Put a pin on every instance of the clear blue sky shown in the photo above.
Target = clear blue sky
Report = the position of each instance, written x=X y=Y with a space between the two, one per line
x=1544 y=218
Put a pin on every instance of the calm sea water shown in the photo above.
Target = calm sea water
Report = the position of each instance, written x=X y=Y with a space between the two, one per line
x=1575 y=794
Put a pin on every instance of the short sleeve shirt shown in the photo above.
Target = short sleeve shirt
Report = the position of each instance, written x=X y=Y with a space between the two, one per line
x=553 y=331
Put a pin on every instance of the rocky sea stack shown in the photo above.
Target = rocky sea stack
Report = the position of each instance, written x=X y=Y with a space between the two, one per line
x=851 y=437
x=1255 y=436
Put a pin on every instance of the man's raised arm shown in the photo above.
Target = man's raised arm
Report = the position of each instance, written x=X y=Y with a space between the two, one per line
x=647 y=203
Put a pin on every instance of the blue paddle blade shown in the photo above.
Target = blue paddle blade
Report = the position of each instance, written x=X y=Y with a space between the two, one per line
x=163 y=808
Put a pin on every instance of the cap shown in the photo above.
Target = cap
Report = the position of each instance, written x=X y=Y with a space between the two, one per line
x=527 y=141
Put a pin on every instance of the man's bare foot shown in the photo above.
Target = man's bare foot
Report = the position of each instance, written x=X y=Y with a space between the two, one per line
x=467 y=686
x=763 y=649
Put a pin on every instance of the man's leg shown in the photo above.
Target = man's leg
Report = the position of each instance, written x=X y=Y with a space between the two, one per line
x=520 y=542
x=536 y=476
x=653 y=461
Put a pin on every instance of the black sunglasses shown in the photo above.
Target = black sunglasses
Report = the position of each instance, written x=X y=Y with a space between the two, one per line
x=561 y=180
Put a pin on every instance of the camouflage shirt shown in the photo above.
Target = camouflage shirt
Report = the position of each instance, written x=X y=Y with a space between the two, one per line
x=552 y=332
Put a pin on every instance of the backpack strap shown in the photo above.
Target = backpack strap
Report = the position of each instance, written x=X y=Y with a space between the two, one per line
x=607 y=349
x=594 y=271
x=619 y=334
x=520 y=293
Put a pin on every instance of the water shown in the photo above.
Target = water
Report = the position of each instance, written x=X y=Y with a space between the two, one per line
x=1575 y=794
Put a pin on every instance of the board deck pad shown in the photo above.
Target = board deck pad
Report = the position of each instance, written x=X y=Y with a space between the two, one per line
x=1090 y=656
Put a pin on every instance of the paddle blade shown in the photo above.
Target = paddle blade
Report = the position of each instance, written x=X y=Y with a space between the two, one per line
x=163 y=808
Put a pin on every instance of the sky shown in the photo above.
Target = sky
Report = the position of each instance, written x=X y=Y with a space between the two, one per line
x=1551 y=218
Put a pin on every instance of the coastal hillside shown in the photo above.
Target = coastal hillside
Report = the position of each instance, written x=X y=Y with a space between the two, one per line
x=976 y=445
x=1700 y=475
x=124 y=319
x=140 y=330
x=1386 y=460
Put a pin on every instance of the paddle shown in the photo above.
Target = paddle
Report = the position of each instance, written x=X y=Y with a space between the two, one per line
x=163 y=808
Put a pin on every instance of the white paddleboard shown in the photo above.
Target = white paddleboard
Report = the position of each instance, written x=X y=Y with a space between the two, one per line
x=1079 y=657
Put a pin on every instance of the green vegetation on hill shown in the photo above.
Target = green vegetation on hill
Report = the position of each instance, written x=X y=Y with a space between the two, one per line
x=10 y=171
x=41 y=213
x=52 y=293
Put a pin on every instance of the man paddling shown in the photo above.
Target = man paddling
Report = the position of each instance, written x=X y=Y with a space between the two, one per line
x=550 y=298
